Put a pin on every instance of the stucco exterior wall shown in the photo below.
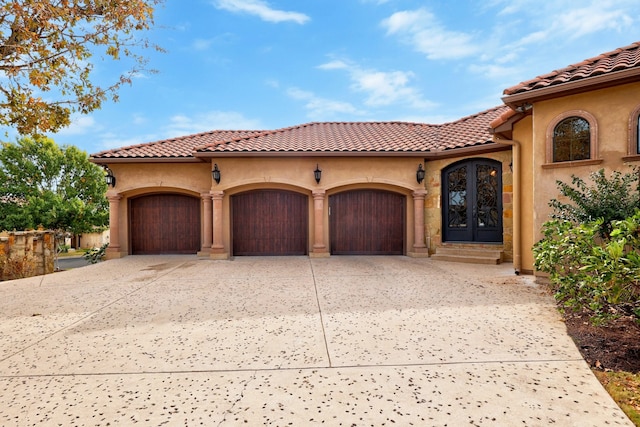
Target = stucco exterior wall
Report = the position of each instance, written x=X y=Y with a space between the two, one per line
x=611 y=108
x=523 y=135
x=433 y=202
x=134 y=179
x=241 y=174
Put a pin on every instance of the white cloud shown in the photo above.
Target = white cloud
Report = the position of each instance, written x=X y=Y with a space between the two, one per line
x=181 y=124
x=334 y=65
x=564 y=20
x=495 y=72
x=139 y=119
x=382 y=88
x=261 y=9
x=320 y=108
x=578 y=22
x=202 y=44
x=421 y=29
x=80 y=125
x=273 y=83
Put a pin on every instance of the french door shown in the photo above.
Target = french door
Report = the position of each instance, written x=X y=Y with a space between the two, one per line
x=472 y=201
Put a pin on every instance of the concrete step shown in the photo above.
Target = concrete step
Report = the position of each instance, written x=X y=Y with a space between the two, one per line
x=469 y=256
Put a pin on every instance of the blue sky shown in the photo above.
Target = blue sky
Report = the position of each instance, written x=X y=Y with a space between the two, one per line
x=267 y=64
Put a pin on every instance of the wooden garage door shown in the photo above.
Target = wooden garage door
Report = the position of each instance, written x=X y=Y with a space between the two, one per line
x=270 y=222
x=165 y=224
x=367 y=222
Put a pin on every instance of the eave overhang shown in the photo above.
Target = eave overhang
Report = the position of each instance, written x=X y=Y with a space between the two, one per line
x=113 y=160
x=205 y=157
x=520 y=100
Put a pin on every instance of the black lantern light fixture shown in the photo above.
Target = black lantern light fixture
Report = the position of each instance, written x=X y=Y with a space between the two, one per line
x=420 y=174
x=109 y=178
x=317 y=174
x=215 y=173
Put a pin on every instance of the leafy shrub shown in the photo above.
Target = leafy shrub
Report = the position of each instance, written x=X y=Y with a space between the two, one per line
x=610 y=199
x=590 y=271
x=95 y=255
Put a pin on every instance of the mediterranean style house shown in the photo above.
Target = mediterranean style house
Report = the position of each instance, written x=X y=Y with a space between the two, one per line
x=474 y=190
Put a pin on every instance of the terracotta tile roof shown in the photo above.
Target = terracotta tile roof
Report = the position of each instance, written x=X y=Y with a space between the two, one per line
x=369 y=137
x=181 y=147
x=625 y=58
x=324 y=137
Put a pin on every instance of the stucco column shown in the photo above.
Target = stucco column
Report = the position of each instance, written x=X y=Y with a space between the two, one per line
x=207 y=223
x=217 y=246
x=418 y=222
x=113 y=250
x=319 y=248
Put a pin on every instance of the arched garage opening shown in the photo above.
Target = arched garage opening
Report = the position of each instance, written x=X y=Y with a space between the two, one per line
x=270 y=222
x=367 y=222
x=164 y=224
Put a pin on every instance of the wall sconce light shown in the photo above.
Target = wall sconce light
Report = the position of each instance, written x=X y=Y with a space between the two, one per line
x=109 y=178
x=215 y=173
x=317 y=174
x=511 y=166
x=420 y=174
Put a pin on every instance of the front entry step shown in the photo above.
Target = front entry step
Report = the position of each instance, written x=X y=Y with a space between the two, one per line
x=469 y=256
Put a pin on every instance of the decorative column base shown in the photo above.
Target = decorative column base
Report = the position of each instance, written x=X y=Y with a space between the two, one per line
x=318 y=254
x=419 y=253
x=219 y=255
x=114 y=253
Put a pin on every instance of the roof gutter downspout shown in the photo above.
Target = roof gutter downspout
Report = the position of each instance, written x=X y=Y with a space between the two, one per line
x=517 y=250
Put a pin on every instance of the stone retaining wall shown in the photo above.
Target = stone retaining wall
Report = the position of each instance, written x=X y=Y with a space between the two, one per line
x=26 y=254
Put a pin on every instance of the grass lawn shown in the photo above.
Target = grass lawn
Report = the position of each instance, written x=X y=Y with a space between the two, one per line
x=624 y=387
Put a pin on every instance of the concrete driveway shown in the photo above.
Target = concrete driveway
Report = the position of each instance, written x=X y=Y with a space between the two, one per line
x=372 y=341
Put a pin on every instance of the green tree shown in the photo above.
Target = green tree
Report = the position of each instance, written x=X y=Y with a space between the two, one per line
x=46 y=47
x=55 y=187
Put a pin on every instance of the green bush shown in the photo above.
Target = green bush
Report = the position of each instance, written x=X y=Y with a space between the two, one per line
x=610 y=199
x=588 y=270
x=95 y=255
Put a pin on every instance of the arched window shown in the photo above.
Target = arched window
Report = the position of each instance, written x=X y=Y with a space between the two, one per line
x=572 y=140
x=633 y=151
x=637 y=133
x=572 y=137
